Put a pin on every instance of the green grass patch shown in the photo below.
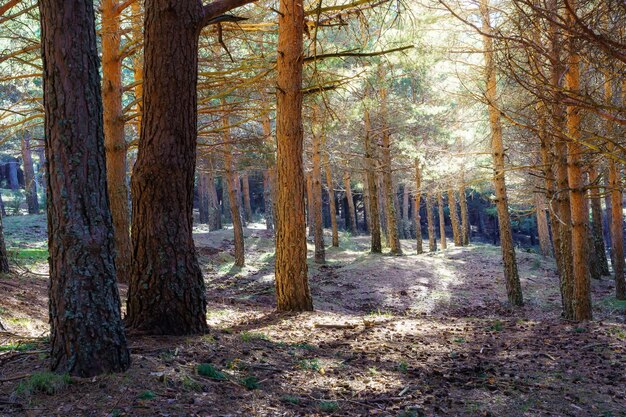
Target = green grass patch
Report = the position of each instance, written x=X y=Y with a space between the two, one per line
x=42 y=382
x=328 y=406
x=310 y=364
x=250 y=336
x=191 y=385
x=380 y=313
x=496 y=326
x=402 y=367
x=290 y=399
x=17 y=347
x=29 y=254
x=209 y=371
x=147 y=395
x=251 y=382
x=614 y=304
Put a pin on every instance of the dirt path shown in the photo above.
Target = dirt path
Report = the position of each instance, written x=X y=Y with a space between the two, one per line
x=427 y=335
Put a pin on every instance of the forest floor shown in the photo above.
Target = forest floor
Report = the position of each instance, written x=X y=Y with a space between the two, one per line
x=427 y=335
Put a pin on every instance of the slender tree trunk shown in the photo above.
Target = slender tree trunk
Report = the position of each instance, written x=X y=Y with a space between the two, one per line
x=430 y=216
x=167 y=292
x=316 y=193
x=309 y=204
x=87 y=334
x=513 y=287
x=442 y=222
x=454 y=217
x=114 y=140
x=215 y=212
x=579 y=207
x=267 y=199
x=245 y=181
x=372 y=185
x=29 y=175
x=292 y=286
x=331 y=200
x=418 y=203
x=137 y=34
x=465 y=222
x=203 y=191
x=542 y=224
x=231 y=185
x=351 y=211
x=608 y=218
x=597 y=227
x=4 y=258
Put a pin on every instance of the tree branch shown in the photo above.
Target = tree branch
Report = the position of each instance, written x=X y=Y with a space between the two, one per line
x=219 y=7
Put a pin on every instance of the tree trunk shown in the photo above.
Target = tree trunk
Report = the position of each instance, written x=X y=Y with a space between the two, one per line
x=442 y=222
x=245 y=181
x=203 y=191
x=316 y=193
x=267 y=199
x=167 y=292
x=231 y=184
x=137 y=34
x=454 y=217
x=418 y=203
x=87 y=334
x=351 y=212
x=542 y=224
x=465 y=222
x=29 y=175
x=579 y=207
x=597 y=227
x=4 y=258
x=309 y=204
x=331 y=200
x=430 y=216
x=292 y=286
x=372 y=186
x=513 y=287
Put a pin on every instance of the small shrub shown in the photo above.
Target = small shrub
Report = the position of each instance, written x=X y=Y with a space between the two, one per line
x=402 y=367
x=310 y=364
x=328 y=406
x=147 y=395
x=209 y=371
x=497 y=326
x=42 y=382
x=250 y=382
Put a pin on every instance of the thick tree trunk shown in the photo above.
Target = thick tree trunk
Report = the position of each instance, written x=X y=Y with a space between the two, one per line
x=418 y=203
x=331 y=201
x=292 y=286
x=430 y=216
x=167 y=292
x=87 y=334
x=316 y=193
x=513 y=287
x=442 y=222
x=579 y=207
x=597 y=227
x=245 y=181
x=29 y=175
x=351 y=212
x=372 y=186
x=114 y=140
x=454 y=218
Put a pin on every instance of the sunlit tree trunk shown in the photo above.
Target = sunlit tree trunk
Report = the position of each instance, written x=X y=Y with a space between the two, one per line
x=393 y=239
x=454 y=218
x=351 y=211
x=513 y=287
x=331 y=200
x=215 y=212
x=231 y=182
x=309 y=204
x=579 y=207
x=316 y=185
x=442 y=222
x=29 y=175
x=86 y=330
x=465 y=223
x=418 y=203
x=114 y=140
x=292 y=286
x=430 y=216
x=372 y=185
x=267 y=199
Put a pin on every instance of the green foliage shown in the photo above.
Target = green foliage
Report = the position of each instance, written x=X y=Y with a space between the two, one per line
x=147 y=395
x=328 y=406
x=42 y=382
x=209 y=371
x=190 y=384
x=402 y=367
x=29 y=254
x=18 y=347
x=250 y=336
x=310 y=364
x=250 y=382
x=290 y=399
x=497 y=326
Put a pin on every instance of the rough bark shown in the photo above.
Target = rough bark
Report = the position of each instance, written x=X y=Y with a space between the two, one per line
x=316 y=194
x=331 y=201
x=597 y=227
x=167 y=292
x=579 y=207
x=29 y=175
x=351 y=211
x=442 y=222
x=372 y=185
x=87 y=335
x=513 y=287
x=245 y=181
x=545 y=246
x=418 y=203
x=454 y=218
x=430 y=216
x=292 y=286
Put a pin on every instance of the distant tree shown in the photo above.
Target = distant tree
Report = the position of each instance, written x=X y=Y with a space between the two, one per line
x=87 y=335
